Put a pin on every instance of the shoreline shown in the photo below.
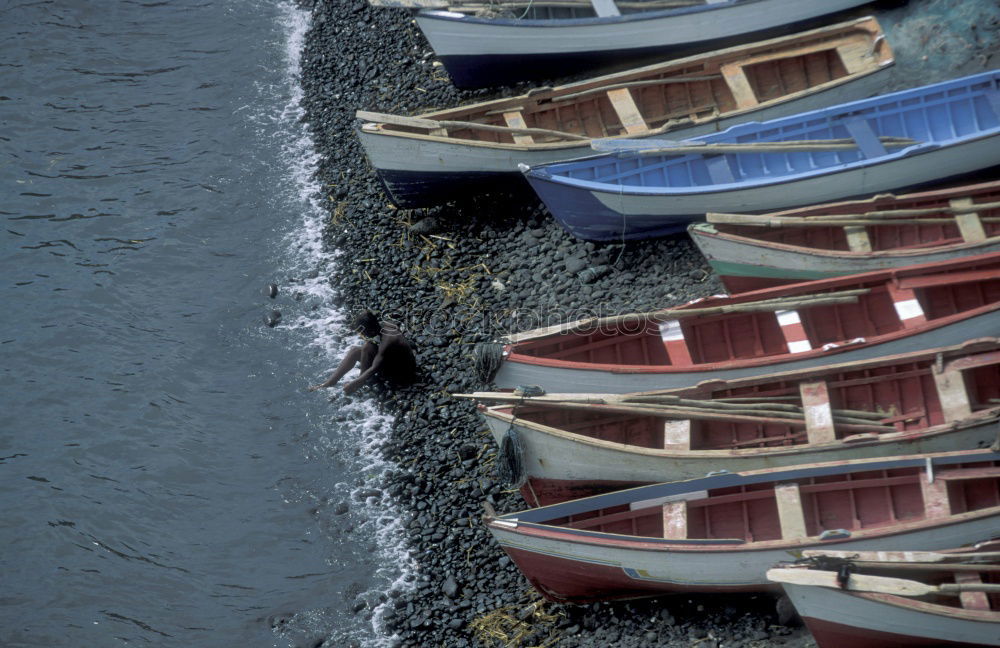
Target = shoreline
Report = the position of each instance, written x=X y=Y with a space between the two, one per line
x=456 y=276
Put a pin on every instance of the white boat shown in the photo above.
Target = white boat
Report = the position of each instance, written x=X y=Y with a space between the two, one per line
x=440 y=155
x=721 y=533
x=897 y=599
x=577 y=445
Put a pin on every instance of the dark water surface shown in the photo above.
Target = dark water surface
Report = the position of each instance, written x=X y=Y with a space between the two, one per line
x=164 y=479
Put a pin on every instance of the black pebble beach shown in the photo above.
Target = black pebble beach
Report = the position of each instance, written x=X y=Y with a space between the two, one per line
x=467 y=273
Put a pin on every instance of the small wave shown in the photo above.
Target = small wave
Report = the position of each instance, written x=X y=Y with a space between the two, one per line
x=359 y=425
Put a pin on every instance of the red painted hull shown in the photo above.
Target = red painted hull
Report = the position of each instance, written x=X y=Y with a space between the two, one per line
x=836 y=635
x=580 y=582
x=735 y=285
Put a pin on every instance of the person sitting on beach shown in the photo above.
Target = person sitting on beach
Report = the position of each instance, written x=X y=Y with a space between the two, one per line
x=385 y=352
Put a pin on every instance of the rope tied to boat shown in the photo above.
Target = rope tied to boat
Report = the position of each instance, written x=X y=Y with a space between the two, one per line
x=510 y=462
x=486 y=359
x=844 y=567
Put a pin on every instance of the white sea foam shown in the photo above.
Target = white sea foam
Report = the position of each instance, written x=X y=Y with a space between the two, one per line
x=317 y=332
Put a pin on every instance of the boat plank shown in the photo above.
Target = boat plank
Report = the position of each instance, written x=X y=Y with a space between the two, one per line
x=790 y=511
x=972 y=600
x=677 y=434
x=818 y=413
x=969 y=224
x=739 y=85
x=675 y=520
x=515 y=119
x=627 y=111
x=954 y=398
x=857 y=239
x=605 y=8
x=936 y=502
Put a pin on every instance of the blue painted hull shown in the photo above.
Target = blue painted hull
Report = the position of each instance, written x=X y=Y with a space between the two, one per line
x=587 y=218
x=955 y=128
x=471 y=71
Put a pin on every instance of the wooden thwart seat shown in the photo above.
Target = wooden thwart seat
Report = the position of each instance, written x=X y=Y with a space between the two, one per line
x=677 y=434
x=936 y=501
x=627 y=111
x=739 y=85
x=675 y=520
x=969 y=224
x=790 y=513
x=955 y=403
x=605 y=8
x=515 y=119
x=866 y=139
x=818 y=412
x=972 y=600
x=793 y=331
x=857 y=238
x=907 y=306
x=673 y=341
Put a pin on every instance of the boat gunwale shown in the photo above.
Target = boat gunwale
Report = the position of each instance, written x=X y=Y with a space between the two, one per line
x=595 y=21
x=723 y=545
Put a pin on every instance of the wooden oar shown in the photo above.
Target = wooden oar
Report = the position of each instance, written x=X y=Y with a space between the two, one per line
x=693 y=413
x=879 y=217
x=634 y=84
x=685 y=147
x=876 y=584
x=432 y=124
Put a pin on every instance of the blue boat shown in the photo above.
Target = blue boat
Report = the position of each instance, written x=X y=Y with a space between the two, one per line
x=895 y=141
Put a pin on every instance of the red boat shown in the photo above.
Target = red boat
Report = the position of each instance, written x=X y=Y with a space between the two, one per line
x=801 y=326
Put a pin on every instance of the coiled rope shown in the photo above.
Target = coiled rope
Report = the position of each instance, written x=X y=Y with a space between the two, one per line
x=487 y=358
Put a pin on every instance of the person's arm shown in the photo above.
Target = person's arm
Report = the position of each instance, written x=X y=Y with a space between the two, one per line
x=352 y=358
x=363 y=377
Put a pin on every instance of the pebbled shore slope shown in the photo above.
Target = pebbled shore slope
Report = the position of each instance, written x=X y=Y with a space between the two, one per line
x=466 y=273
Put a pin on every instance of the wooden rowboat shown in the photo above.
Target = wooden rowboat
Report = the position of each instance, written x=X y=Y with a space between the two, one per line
x=485 y=43
x=440 y=155
x=787 y=328
x=887 y=231
x=885 y=143
x=722 y=532
x=897 y=599
x=580 y=445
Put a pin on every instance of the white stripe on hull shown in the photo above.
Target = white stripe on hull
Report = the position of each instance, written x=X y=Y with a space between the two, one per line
x=550 y=456
x=738 y=568
x=894 y=173
x=400 y=153
x=467 y=37
x=562 y=379
x=854 y=611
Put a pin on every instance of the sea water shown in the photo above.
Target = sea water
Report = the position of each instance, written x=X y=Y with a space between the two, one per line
x=165 y=479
